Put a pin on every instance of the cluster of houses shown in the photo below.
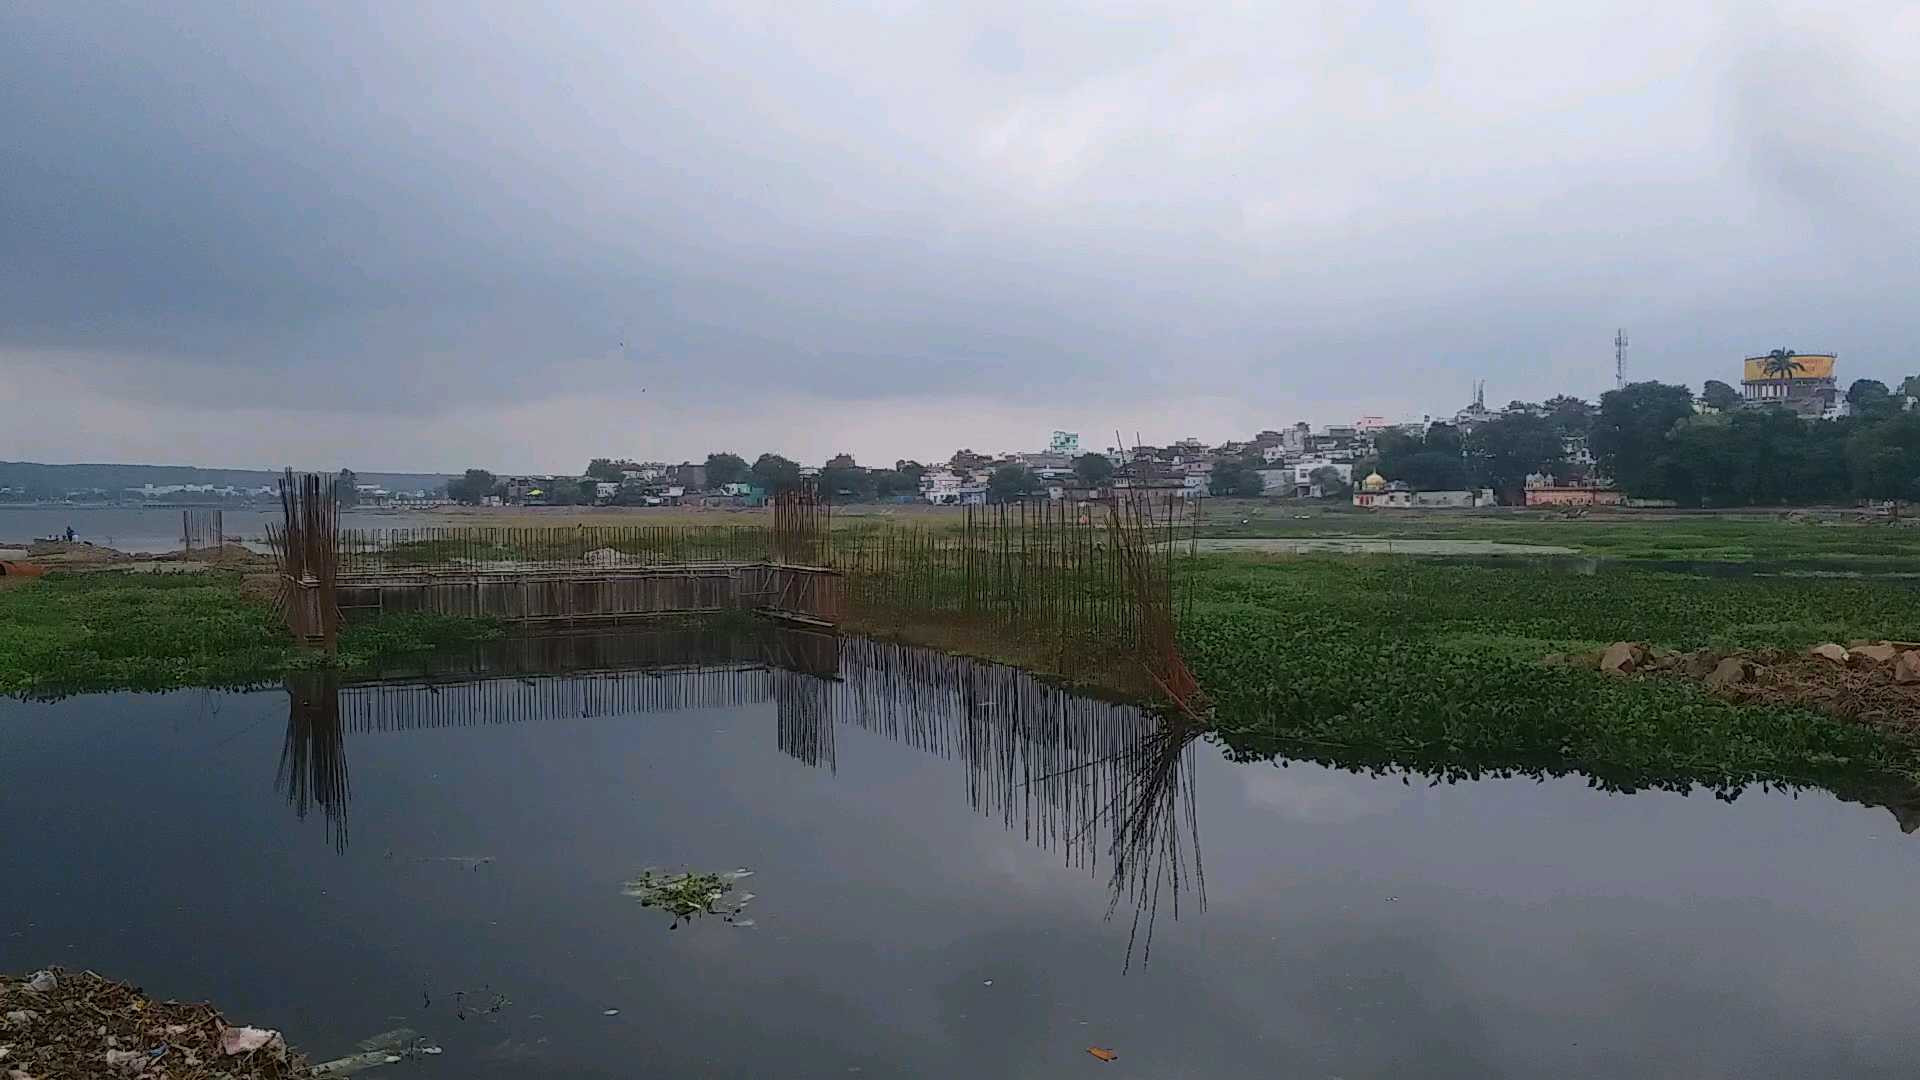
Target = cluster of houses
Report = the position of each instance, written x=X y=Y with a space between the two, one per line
x=1299 y=461
x=642 y=483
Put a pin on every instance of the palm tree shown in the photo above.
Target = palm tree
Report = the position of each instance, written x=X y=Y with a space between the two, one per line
x=1782 y=364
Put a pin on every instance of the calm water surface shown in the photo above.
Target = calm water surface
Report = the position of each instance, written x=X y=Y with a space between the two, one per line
x=153 y=529
x=933 y=851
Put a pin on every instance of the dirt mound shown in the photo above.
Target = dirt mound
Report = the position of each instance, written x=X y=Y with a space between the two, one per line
x=61 y=1023
x=75 y=553
x=236 y=556
x=1872 y=682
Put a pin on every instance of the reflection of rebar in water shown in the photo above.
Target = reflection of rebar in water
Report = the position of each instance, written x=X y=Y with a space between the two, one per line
x=313 y=759
x=1149 y=810
x=1071 y=773
x=804 y=720
x=1089 y=779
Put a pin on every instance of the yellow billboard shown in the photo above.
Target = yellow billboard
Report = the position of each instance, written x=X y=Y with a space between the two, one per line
x=1812 y=366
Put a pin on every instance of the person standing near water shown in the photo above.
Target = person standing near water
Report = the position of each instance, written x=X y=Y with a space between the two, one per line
x=69 y=534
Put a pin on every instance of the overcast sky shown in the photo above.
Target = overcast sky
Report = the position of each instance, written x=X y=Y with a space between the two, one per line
x=411 y=235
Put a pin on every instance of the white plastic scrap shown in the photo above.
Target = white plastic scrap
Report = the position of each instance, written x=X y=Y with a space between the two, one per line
x=245 y=1040
x=42 y=982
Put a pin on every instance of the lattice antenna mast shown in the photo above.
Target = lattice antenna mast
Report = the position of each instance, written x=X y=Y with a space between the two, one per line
x=1619 y=359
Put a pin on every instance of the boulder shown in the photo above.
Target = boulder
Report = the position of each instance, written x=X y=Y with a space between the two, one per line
x=1730 y=672
x=1906 y=670
x=1622 y=657
x=1700 y=664
x=1879 y=652
x=1830 y=651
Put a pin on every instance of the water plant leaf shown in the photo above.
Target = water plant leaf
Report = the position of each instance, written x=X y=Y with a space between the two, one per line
x=688 y=895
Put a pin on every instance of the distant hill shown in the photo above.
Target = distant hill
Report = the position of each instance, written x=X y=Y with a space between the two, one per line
x=52 y=481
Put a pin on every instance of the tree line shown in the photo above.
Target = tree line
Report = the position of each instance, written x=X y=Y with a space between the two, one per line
x=1654 y=444
x=841 y=477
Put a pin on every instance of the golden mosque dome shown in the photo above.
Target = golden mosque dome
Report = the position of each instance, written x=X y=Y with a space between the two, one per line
x=1374 y=482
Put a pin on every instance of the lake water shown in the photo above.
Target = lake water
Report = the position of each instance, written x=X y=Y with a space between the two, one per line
x=154 y=529
x=933 y=851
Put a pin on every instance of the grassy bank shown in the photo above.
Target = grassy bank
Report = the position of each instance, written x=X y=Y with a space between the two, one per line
x=70 y=633
x=1840 y=537
x=1414 y=661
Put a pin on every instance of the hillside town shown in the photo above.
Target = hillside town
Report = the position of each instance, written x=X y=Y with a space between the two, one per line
x=1643 y=444
x=1563 y=452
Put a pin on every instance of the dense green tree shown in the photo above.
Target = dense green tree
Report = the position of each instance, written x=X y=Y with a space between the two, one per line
x=1506 y=450
x=1331 y=484
x=1754 y=457
x=775 y=473
x=472 y=486
x=910 y=470
x=346 y=489
x=1629 y=438
x=897 y=481
x=1870 y=398
x=843 y=478
x=1011 y=481
x=1884 y=459
x=1233 y=477
x=1434 y=461
x=603 y=469
x=1093 y=470
x=1432 y=470
x=1720 y=395
x=1444 y=438
x=1570 y=415
x=724 y=469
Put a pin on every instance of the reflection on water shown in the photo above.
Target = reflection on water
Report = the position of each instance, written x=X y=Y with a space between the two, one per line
x=1088 y=778
x=919 y=826
x=313 y=760
x=1093 y=780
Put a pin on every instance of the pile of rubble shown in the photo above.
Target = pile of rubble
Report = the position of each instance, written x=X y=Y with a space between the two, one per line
x=61 y=1024
x=1873 y=681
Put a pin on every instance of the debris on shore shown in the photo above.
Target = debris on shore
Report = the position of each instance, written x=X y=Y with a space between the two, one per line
x=57 y=1023
x=1873 y=682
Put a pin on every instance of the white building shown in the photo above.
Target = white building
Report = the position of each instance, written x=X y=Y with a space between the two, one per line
x=948 y=488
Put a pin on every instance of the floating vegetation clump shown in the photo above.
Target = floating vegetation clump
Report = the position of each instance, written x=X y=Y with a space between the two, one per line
x=688 y=896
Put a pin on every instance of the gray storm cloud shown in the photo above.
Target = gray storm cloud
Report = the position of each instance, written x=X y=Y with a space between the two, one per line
x=459 y=231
